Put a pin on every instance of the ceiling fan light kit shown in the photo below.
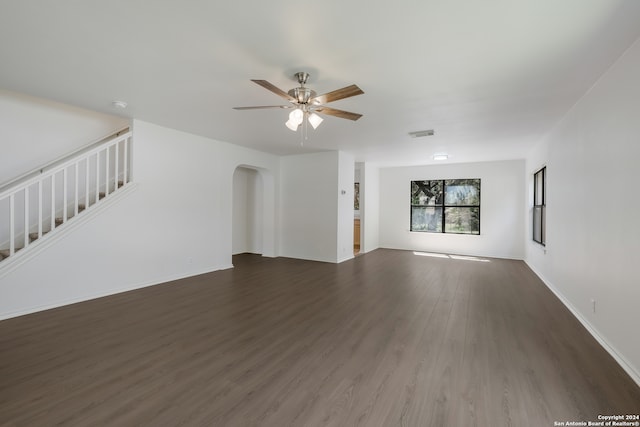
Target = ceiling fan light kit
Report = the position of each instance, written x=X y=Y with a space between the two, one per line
x=295 y=119
x=307 y=104
x=314 y=120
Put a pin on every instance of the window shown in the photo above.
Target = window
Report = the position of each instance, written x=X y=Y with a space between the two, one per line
x=446 y=206
x=539 y=205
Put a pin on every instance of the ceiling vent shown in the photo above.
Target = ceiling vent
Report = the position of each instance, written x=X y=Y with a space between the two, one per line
x=421 y=133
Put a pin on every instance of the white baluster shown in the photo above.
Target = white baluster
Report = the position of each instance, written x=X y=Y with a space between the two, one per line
x=26 y=216
x=117 y=161
x=97 y=176
x=12 y=224
x=64 y=195
x=86 y=183
x=125 y=178
x=106 y=173
x=53 y=201
x=39 y=209
x=75 y=185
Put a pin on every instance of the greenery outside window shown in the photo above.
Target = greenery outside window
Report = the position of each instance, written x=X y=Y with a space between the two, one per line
x=446 y=206
x=539 y=206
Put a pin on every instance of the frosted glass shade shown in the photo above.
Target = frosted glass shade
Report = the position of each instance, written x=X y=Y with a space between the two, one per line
x=315 y=120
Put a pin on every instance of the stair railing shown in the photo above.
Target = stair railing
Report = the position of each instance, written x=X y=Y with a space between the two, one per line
x=36 y=206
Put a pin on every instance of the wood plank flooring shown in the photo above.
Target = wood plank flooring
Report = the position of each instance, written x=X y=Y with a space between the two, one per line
x=386 y=339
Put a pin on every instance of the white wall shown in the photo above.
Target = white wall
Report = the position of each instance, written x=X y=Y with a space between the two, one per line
x=593 y=237
x=309 y=206
x=247 y=211
x=344 y=192
x=501 y=209
x=175 y=224
x=370 y=207
x=310 y=185
x=35 y=131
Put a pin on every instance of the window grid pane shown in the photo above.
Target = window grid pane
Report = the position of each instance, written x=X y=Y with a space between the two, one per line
x=539 y=206
x=462 y=220
x=426 y=193
x=462 y=192
x=537 y=224
x=446 y=206
x=426 y=219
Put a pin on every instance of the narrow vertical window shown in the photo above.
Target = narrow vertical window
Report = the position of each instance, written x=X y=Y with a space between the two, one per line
x=539 y=205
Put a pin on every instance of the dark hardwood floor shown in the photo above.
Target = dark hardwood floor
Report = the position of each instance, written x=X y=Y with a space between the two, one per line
x=386 y=339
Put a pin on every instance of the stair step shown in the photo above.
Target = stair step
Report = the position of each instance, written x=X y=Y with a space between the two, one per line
x=4 y=253
x=34 y=236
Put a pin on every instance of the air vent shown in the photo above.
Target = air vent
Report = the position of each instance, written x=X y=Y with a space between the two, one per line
x=421 y=133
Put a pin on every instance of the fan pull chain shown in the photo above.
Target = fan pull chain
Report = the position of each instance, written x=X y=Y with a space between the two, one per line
x=303 y=133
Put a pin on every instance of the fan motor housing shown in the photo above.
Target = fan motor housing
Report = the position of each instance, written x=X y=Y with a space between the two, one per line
x=302 y=94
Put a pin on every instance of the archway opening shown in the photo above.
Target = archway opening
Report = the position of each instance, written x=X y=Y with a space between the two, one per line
x=248 y=208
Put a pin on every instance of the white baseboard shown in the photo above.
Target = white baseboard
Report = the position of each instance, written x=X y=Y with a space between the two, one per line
x=346 y=258
x=108 y=292
x=624 y=363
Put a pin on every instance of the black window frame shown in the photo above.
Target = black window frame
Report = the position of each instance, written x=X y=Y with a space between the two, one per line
x=539 y=211
x=443 y=206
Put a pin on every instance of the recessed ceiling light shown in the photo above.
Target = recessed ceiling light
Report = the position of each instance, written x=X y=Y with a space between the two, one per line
x=421 y=133
x=440 y=156
x=119 y=105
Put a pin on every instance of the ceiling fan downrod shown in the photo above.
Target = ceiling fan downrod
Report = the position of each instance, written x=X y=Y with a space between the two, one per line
x=302 y=77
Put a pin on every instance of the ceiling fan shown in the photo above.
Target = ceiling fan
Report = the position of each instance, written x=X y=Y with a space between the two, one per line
x=306 y=103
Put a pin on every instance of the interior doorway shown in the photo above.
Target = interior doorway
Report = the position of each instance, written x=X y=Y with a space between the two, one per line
x=357 y=217
x=248 y=206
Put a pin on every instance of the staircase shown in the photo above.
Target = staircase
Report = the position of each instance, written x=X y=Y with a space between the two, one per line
x=39 y=204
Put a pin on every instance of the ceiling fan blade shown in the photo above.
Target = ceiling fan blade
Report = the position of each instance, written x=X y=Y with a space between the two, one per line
x=337 y=94
x=257 y=107
x=265 y=84
x=338 y=113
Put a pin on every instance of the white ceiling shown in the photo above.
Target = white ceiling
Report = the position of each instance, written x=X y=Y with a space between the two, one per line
x=491 y=77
